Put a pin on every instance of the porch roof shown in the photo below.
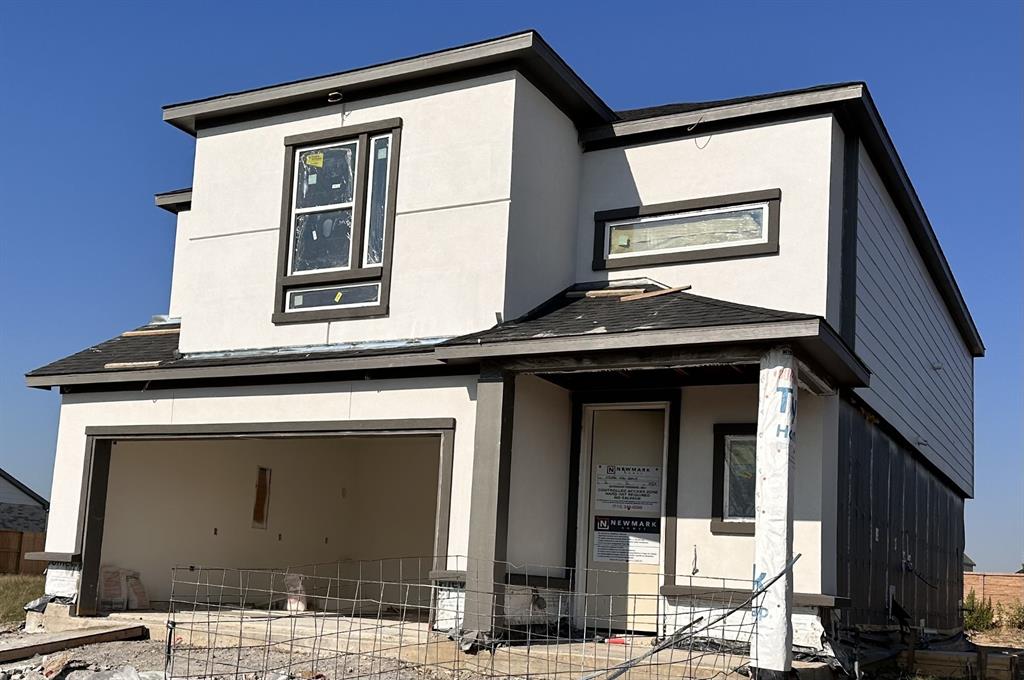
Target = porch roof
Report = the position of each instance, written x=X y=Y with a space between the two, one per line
x=585 y=310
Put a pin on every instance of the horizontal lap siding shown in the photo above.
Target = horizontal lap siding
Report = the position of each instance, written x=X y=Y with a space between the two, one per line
x=903 y=328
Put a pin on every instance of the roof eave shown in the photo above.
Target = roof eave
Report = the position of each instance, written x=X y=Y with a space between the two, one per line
x=526 y=52
x=813 y=336
x=174 y=202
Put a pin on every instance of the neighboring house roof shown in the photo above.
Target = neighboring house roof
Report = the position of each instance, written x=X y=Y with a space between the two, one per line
x=18 y=517
x=599 y=125
x=14 y=481
x=969 y=564
x=672 y=318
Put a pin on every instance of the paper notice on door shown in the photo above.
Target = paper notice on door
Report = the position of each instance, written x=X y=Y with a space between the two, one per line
x=635 y=540
x=633 y=488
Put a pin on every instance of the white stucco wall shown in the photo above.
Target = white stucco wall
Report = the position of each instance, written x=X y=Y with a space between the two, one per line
x=733 y=556
x=330 y=500
x=546 y=157
x=445 y=397
x=794 y=156
x=541 y=442
x=450 y=227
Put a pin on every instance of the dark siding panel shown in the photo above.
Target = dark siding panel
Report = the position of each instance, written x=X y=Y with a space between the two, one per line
x=900 y=529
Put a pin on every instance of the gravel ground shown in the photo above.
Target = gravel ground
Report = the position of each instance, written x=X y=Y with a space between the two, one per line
x=147 y=657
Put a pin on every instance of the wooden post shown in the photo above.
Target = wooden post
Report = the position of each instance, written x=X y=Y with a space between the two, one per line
x=772 y=649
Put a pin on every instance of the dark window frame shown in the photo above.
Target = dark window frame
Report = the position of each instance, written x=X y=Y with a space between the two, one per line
x=719 y=525
x=357 y=273
x=773 y=197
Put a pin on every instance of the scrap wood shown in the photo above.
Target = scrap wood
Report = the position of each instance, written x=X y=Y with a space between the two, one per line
x=151 y=331
x=604 y=292
x=653 y=293
x=48 y=643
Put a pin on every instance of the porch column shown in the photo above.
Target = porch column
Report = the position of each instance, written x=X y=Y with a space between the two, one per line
x=771 y=651
x=488 y=519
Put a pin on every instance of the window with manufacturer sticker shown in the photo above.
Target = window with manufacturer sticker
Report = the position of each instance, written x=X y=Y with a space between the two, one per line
x=338 y=221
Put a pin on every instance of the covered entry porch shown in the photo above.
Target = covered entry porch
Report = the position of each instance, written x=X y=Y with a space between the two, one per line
x=665 y=385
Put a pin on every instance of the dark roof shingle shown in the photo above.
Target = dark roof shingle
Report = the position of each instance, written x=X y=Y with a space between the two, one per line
x=572 y=313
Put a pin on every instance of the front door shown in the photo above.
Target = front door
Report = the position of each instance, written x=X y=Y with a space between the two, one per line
x=622 y=482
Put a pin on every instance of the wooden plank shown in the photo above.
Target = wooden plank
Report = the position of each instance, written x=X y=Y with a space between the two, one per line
x=47 y=643
x=653 y=293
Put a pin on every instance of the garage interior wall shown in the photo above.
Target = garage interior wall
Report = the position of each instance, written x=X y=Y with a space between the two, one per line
x=190 y=502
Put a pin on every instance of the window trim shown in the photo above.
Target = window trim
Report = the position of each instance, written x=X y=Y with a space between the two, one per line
x=603 y=218
x=720 y=525
x=357 y=272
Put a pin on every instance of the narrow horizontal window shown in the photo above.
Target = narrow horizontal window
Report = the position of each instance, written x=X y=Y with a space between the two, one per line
x=700 y=229
x=334 y=297
x=692 y=230
x=740 y=477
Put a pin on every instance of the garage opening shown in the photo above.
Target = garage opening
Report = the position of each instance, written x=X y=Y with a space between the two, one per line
x=270 y=503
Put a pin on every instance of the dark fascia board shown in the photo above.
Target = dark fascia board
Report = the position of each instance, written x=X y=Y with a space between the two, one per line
x=387 y=361
x=174 y=201
x=526 y=52
x=288 y=428
x=17 y=483
x=813 y=337
x=853 y=106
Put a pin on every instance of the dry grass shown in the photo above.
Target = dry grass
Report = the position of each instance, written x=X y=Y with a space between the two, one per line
x=15 y=591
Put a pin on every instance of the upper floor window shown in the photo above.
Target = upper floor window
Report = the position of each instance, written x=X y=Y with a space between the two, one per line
x=686 y=231
x=337 y=223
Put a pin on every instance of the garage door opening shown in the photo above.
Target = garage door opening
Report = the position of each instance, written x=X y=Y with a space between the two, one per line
x=270 y=503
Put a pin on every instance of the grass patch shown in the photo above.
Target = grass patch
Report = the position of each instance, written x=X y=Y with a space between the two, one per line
x=15 y=592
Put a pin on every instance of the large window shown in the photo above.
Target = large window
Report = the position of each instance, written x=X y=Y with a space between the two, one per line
x=711 y=228
x=337 y=223
x=734 y=479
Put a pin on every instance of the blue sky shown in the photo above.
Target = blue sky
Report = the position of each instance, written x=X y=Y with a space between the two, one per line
x=85 y=255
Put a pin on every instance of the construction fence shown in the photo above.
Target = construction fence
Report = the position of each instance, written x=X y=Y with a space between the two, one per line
x=396 y=618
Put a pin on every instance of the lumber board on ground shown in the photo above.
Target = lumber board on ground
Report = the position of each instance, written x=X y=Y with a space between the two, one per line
x=48 y=643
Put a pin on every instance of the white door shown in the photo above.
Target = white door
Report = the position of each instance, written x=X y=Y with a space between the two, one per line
x=622 y=482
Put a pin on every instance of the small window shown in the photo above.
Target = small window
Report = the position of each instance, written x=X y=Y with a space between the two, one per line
x=734 y=479
x=337 y=223
x=723 y=226
x=739 y=476
x=261 y=503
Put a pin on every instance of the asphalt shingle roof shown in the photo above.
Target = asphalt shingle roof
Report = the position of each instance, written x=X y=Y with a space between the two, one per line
x=164 y=349
x=572 y=313
x=569 y=313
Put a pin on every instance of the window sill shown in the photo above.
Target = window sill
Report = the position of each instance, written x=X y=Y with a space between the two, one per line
x=312 y=316
x=720 y=527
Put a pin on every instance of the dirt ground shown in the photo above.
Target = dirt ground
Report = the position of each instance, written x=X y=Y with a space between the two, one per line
x=999 y=637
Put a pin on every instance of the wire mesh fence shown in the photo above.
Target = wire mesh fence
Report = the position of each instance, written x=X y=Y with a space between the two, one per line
x=398 y=618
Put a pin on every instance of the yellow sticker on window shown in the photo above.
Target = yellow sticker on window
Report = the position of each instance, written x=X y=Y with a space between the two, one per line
x=315 y=159
x=337 y=297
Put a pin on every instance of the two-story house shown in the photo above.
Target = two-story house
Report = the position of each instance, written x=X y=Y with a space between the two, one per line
x=456 y=306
